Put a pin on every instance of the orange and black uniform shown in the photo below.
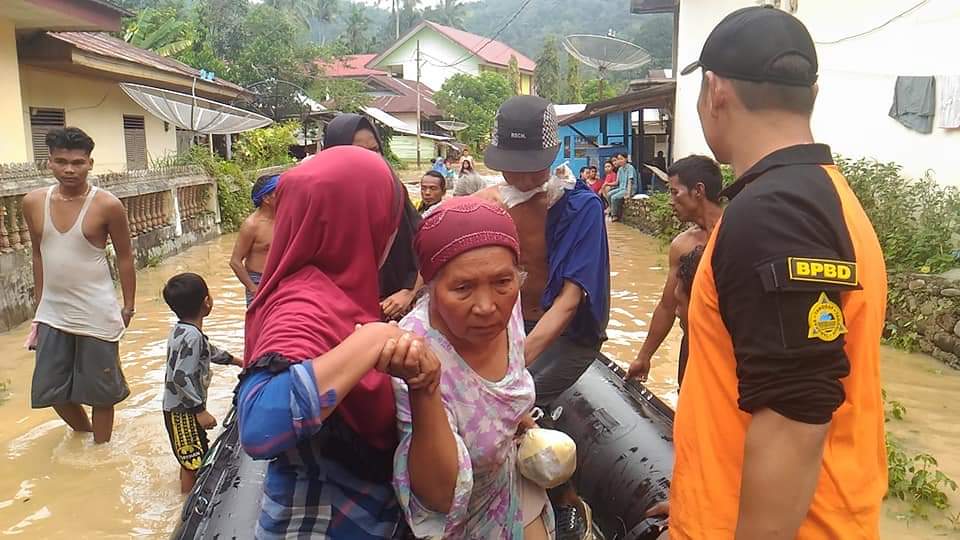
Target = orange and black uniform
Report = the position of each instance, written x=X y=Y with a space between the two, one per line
x=786 y=313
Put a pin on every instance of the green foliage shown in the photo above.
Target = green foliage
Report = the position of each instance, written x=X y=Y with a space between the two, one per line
x=272 y=48
x=513 y=74
x=591 y=90
x=474 y=100
x=355 y=36
x=162 y=30
x=660 y=217
x=915 y=479
x=547 y=74
x=266 y=147
x=573 y=89
x=448 y=13
x=914 y=219
x=303 y=11
x=233 y=188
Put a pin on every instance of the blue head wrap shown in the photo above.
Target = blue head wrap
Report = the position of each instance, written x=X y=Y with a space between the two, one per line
x=266 y=189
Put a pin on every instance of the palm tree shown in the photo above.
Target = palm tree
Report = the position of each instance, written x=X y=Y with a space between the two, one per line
x=448 y=13
x=160 y=31
x=355 y=33
x=306 y=10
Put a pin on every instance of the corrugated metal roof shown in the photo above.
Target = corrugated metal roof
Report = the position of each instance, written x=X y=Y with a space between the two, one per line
x=111 y=47
x=350 y=66
x=492 y=51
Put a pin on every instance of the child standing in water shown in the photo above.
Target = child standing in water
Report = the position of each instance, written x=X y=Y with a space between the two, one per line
x=256 y=235
x=189 y=354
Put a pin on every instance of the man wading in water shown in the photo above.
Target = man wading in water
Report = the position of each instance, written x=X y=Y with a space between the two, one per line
x=695 y=184
x=563 y=248
x=79 y=322
x=256 y=234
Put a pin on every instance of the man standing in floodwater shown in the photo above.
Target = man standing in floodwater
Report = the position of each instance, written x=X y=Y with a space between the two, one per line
x=79 y=322
x=256 y=234
x=779 y=427
x=695 y=184
x=563 y=248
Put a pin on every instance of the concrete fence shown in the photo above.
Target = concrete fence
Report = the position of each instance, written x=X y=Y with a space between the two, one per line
x=169 y=209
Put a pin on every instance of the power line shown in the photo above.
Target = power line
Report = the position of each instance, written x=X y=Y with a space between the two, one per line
x=492 y=39
x=874 y=29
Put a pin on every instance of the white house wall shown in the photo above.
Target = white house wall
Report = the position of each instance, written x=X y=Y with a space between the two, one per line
x=436 y=54
x=857 y=77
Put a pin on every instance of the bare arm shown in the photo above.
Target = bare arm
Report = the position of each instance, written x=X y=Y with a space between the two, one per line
x=119 y=230
x=32 y=203
x=663 y=317
x=433 y=460
x=241 y=250
x=781 y=467
x=554 y=321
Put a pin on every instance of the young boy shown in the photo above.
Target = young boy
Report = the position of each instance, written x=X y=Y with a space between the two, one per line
x=256 y=234
x=189 y=354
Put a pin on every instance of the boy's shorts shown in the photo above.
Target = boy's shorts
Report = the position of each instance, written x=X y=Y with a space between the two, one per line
x=76 y=369
x=188 y=439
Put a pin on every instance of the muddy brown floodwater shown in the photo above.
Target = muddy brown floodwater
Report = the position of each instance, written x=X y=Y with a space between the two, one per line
x=56 y=484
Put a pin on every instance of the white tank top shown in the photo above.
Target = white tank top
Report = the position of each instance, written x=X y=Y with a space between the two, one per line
x=78 y=293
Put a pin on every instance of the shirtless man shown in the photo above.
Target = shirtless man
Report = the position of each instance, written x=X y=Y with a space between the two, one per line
x=695 y=184
x=79 y=322
x=256 y=234
x=563 y=248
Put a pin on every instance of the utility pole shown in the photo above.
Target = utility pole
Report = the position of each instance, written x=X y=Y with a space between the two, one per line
x=418 y=104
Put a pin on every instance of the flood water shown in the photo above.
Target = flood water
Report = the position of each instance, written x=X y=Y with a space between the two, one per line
x=56 y=484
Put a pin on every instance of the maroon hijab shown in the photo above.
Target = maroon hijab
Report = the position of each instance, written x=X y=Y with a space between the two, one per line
x=321 y=276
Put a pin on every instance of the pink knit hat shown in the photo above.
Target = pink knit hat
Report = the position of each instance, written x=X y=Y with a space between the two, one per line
x=459 y=225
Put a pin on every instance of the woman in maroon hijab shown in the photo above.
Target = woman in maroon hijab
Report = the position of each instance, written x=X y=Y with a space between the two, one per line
x=311 y=399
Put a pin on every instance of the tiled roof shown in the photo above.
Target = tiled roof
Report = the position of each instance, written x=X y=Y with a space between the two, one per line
x=404 y=99
x=109 y=46
x=493 y=52
x=350 y=66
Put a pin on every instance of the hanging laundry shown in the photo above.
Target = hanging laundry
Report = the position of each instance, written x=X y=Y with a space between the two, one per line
x=913 y=103
x=949 y=101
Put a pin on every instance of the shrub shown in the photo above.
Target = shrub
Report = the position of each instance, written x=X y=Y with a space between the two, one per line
x=914 y=219
x=233 y=187
x=266 y=147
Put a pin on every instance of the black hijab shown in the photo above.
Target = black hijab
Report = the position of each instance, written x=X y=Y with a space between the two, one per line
x=400 y=269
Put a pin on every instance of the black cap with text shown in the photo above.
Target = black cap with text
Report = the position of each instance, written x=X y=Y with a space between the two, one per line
x=747 y=42
x=525 y=136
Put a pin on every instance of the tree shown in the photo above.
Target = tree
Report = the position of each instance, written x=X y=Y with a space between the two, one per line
x=547 y=74
x=448 y=13
x=354 y=36
x=303 y=11
x=161 y=30
x=591 y=89
x=513 y=74
x=574 y=89
x=410 y=15
x=344 y=95
x=474 y=100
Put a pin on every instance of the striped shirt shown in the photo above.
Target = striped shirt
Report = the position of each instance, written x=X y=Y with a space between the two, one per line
x=306 y=493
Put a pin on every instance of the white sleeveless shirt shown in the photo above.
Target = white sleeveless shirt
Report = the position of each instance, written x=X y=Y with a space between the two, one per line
x=78 y=293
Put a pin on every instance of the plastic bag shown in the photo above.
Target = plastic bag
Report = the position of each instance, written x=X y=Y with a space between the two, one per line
x=547 y=457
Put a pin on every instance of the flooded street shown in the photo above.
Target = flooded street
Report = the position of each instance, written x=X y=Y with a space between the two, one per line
x=55 y=484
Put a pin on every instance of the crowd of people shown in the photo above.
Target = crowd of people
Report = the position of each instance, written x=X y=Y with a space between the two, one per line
x=501 y=297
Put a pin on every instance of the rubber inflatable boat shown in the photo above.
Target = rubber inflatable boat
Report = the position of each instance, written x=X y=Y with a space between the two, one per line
x=624 y=462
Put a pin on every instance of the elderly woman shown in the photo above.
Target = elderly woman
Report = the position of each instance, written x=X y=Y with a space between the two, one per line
x=310 y=400
x=398 y=277
x=456 y=474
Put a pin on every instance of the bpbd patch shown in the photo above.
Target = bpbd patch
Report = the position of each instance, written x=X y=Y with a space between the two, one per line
x=822 y=271
x=825 y=320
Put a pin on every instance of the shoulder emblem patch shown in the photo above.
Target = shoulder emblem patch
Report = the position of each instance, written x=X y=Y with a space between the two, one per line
x=822 y=271
x=825 y=320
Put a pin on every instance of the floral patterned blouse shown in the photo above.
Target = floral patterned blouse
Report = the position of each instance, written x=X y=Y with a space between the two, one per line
x=484 y=416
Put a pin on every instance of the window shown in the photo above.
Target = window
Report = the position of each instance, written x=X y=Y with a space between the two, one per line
x=566 y=147
x=135 y=141
x=396 y=71
x=582 y=145
x=42 y=121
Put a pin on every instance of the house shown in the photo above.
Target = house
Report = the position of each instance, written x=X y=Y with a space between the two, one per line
x=591 y=134
x=445 y=52
x=393 y=95
x=862 y=46
x=59 y=71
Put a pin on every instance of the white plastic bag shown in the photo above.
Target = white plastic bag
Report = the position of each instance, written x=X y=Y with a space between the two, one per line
x=547 y=457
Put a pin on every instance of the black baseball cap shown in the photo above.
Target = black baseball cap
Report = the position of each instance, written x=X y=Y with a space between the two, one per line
x=746 y=43
x=525 y=136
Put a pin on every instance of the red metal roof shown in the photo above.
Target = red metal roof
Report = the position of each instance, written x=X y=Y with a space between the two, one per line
x=491 y=51
x=406 y=99
x=350 y=66
x=109 y=46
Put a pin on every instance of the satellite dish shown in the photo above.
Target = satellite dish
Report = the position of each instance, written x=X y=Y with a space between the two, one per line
x=452 y=125
x=605 y=53
x=194 y=113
